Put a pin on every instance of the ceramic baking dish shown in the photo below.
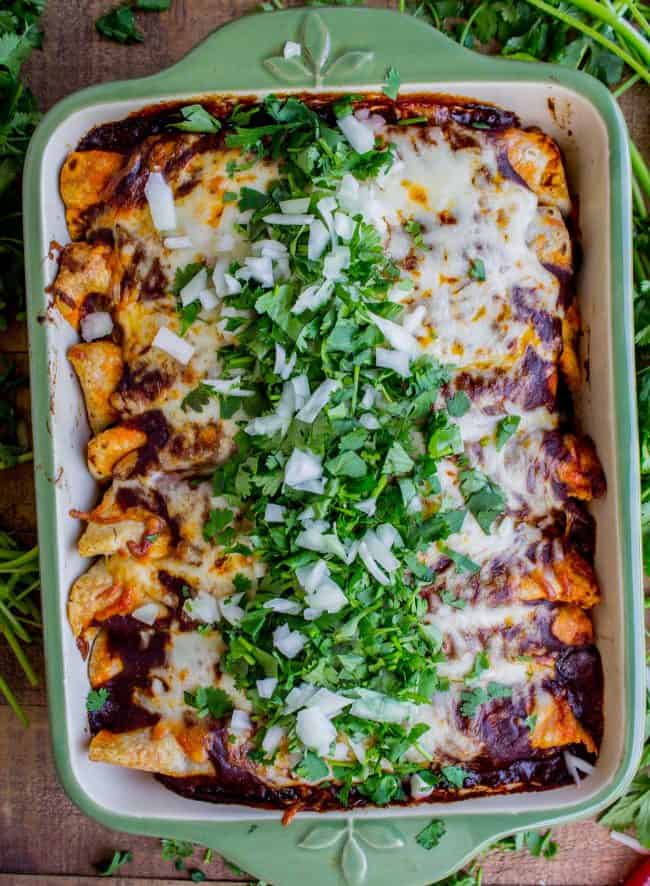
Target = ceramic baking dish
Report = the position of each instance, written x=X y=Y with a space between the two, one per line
x=354 y=48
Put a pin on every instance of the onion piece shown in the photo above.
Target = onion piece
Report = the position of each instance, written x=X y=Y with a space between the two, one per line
x=367 y=506
x=328 y=597
x=398 y=361
x=369 y=421
x=148 y=613
x=396 y=335
x=301 y=392
x=294 y=219
x=177 y=243
x=240 y=722
x=318 y=401
x=267 y=425
x=315 y=731
x=272 y=739
x=302 y=466
x=389 y=536
x=348 y=193
x=309 y=577
x=330 y=703
x=282 y=366
x=371 y=705
x=289 y=643
x=204 y=607
x=233 y=286
x=369 y=396
x=298 y=697
x=271 y=248
x=232 y=612
x=296 y=205
x=266 y=687
x=413 y=321
x=284 y=606
x=380 y=552
x=258 y=268
x=338 y=260
x=96 y=325
x=312 y=297
x=227 y=386
x=224 y=243
x=344 y=226
x=576 y=765
x=291 y=49
x=360 y=136
x=274 y=513
x=191 y=291
x=208 y=299
x=173 y=344
x=419 y=788
x=160 y=198
x=319 y=237
x=629 y=840
x=322 y=543
x=371 y=565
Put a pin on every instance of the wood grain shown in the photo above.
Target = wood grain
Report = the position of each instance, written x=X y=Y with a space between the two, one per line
x=44 y=839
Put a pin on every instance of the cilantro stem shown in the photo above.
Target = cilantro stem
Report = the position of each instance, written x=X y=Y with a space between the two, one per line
x=469 y=23
x=617 y=23
x=640 y=169
x=623 y=88
x=20 y=654
x=13 y=702
x=642 y=70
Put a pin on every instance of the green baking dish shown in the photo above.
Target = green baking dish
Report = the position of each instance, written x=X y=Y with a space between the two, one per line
x=354 y=47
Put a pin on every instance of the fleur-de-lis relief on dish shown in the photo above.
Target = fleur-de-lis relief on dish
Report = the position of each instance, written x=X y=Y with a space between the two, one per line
x=313 y=61
x=348 y=839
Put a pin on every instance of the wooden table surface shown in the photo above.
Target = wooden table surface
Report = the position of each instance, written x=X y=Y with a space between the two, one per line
x=44 y=839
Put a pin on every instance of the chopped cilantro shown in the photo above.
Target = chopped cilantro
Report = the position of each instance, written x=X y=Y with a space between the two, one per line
x=481 y=664
x=198 y=398
x=96 y=699
x=484 y=498
x=455 y=775
x=392 y=83
x=217 y=521
x=459 y=404
x=397 y=461
x=505 y=429
x=209 y=700
x=197 y=119
x=451 y=599
x=477 y=269
x=183 y=276
x=462 y=562
x=530 y=722
x=431 y=834
x=414 y=228
x=472 y=699
x=119 y=25
x=111 y=867
x=312 y=768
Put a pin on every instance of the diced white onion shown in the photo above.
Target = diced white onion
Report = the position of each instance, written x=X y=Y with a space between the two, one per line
x=629 y=840
x=322 y=543
x=224 y=243
x=371 y=565
x=389 y=536
x=204 y=607
x=369 y=395
x=338 y=260
x=266 y=687
x=315 y=731
x=232 y=613
x=413 y=321
x=328 y=597
x=318 y=400
x=173 y=345
x=419 y=788
x=271 y=248
x=396 y=335
x=260 y=268
x=301 y=391
x=302 y=466
x=359 y=750
x=96 y=325
x=160 y=198
x=233 y=286
x=266 y=425
x=240 y=722
x=177 y=243
x=380 y=552
x=274 y=513
x=286 y=607
x=344 y=226
x=192 y=290
x=298 y=697
x=330 y=703
x=576 y=765
x=227 y=386
x=348 y=193
x=360 y=136
x=278 y=218
x=283 y=367
x=208 y=299
x=398 y=361
x=319 y=237
x=367 y=506
x=147 y=613
x=381 y=708
x=316 y=487
x=272 y=739
x=291 y=49
x=312 y=297
x=289 y=643
x=309 y=577
x=297 y=205
x=369 y=421
x=311 y=614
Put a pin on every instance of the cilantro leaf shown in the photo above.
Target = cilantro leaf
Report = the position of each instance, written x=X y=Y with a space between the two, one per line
x=481 y=664
x=209 y=700
x=444 y=437
x=455 y=775
x=381 y=789
x=477 y=269
x=459 y=404
x=392 y=83
x=451 y=599
x=153 y=5
x=197 y=119
x=461 y=561
x=484 y=498
x=505 y=429
x=431 y=834
x=96 y=699
x=312 y=768
x=198 y=398
x=397 y=461
x=540 y=845
x=184 y=275
x=216 y=522
x=472 y=699
x=347 y=464
x=111 y=867
x=119 y=25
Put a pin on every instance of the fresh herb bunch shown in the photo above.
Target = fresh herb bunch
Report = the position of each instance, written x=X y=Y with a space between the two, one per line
x=120 y=25
x=14 y=441
x=20 y=620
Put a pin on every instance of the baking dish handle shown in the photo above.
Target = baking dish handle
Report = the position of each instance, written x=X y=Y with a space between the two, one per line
x=329 y=56
x=350 y=851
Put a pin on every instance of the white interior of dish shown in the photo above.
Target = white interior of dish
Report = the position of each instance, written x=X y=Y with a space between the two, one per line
x=578 y=128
